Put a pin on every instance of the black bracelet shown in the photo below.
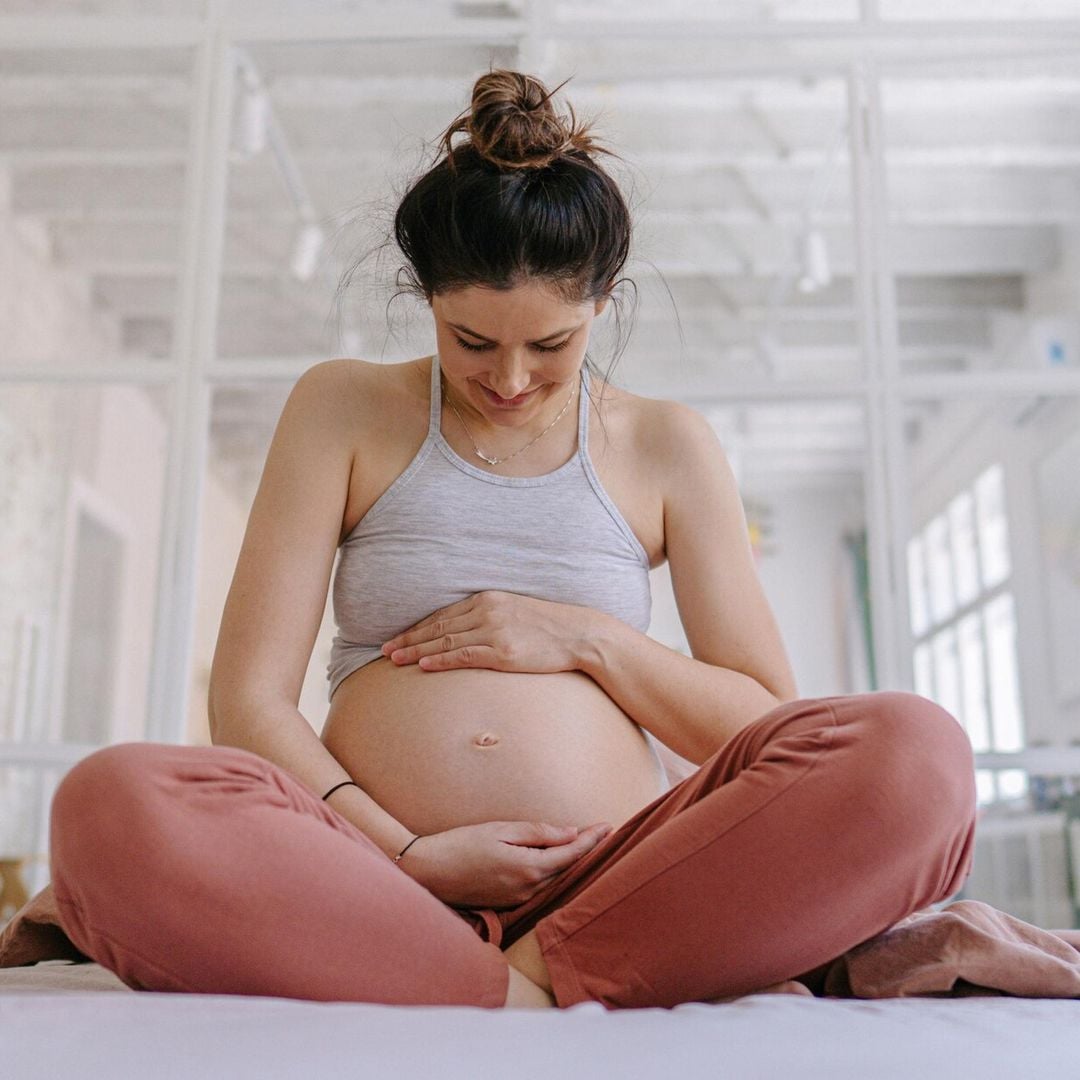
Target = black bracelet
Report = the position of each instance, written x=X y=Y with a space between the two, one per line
x=397 y=857
x=344 y=783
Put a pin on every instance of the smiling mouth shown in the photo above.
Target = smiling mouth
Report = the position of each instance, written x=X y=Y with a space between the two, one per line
x=506 y=403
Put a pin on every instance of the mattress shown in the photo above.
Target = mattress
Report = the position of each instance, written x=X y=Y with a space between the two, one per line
x=59 y=1019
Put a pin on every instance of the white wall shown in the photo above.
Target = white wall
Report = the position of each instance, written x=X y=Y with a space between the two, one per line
x=803 y=570
x=224 y=520
x=111 y=438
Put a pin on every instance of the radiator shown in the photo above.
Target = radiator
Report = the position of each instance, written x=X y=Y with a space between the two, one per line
x=1021 y=867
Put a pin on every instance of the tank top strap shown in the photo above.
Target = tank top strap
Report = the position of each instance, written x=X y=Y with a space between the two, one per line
x=435 y=408
x=583 y=416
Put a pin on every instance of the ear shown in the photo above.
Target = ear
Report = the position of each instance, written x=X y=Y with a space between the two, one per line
x=602 y=302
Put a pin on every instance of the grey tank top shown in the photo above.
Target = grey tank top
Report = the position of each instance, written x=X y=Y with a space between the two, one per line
x=446 y=529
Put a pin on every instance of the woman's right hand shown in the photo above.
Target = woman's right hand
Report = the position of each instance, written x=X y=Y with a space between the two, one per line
x=497 y=864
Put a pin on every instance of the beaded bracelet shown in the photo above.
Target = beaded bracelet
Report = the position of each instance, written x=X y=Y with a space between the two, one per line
x=344 y=783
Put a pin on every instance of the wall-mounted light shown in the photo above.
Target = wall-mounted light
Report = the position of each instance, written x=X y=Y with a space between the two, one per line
x=815 y=263
x=253 y=126
x=306 y=252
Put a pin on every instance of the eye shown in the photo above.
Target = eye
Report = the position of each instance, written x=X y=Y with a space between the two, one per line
x=539 y=348
x=471 y=348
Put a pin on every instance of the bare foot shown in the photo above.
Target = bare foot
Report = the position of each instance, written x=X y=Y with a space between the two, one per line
x=522 y=993
x=791 y=986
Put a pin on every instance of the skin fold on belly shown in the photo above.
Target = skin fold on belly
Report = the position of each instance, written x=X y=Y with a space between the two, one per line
x=439 y=749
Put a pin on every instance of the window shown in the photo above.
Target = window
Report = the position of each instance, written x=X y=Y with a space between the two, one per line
x=963 y=620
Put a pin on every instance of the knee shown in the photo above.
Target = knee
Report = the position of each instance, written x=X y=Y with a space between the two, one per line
x=916 y=726
x=916 y=747
x=102 y=778
x=97 y=803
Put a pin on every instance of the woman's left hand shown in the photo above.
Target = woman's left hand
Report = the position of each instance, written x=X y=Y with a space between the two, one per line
x=500 y=630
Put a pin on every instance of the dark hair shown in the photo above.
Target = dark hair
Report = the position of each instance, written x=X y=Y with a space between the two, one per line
x=521 y=198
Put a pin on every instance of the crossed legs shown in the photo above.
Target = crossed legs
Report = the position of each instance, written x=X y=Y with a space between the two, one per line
x=209 y=869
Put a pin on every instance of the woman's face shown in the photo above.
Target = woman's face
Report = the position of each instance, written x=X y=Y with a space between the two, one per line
x=507 y=355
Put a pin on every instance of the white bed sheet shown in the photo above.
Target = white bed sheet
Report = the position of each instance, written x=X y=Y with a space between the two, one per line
x=91 y=1033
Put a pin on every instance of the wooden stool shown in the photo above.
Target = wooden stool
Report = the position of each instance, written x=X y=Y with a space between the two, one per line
x=13 y=892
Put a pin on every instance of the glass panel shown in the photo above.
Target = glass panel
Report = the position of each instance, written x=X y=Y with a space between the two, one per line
x=801 y=477
x=622 y=11
x=964 y=556
x=420 y=12
x=982 y=177
x=993 y=526
x=1000 y=629
x=918 y=606
x=1019 y=457
x=939 y=565
x=1020 y=10
x=142 y=9
x=96 y=142
x=947 y=673
x=924 y=671
x=1058 y=498
x=799 y=469
x=25 y=798
x=243 y=418
x=82 y=473
x=324 y=139
x=1013 y=783
x=973 y=677
x=748 y=218
x=985 y=789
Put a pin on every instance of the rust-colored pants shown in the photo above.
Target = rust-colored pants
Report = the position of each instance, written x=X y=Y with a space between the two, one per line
x=824 y=822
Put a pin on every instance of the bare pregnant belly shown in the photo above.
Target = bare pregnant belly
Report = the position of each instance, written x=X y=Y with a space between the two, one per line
x=438 y=749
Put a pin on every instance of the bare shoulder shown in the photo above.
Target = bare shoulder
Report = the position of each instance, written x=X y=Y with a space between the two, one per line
x=354 y=393
x=667 y=436
x=342 y=383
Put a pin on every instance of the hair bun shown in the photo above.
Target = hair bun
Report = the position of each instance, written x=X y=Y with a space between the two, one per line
x=513 y=125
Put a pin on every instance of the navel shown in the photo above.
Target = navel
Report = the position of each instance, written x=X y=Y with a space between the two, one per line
x=485 y=738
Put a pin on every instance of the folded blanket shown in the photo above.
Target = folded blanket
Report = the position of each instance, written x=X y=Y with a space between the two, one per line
x=966 y=949
x=34 y=933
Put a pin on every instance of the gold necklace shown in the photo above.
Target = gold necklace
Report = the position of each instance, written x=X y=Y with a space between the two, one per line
x=498 y=461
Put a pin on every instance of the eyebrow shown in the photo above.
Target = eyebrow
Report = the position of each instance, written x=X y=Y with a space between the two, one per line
x=473 y=333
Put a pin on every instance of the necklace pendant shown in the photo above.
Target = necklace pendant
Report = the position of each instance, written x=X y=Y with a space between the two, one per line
x=489 y=460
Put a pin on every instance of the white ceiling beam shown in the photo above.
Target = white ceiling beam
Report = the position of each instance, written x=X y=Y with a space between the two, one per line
x=368 y=24
x=1061 y=152
x=913 y=250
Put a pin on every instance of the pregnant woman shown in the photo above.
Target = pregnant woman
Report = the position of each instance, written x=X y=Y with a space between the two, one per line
x=485 y=819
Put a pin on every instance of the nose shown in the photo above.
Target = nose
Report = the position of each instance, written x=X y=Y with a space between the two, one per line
x=510 y=379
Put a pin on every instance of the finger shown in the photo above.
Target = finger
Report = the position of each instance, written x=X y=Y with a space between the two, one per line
x=537 y=833
x=448 y=643
x=469 y=656
x=556 y=858
x=432 y=634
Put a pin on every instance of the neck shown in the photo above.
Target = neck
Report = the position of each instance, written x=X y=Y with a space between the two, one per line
x=501 y=442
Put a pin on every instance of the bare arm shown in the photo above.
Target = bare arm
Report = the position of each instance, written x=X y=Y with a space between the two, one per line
x=739 y=668
x=278 y=595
